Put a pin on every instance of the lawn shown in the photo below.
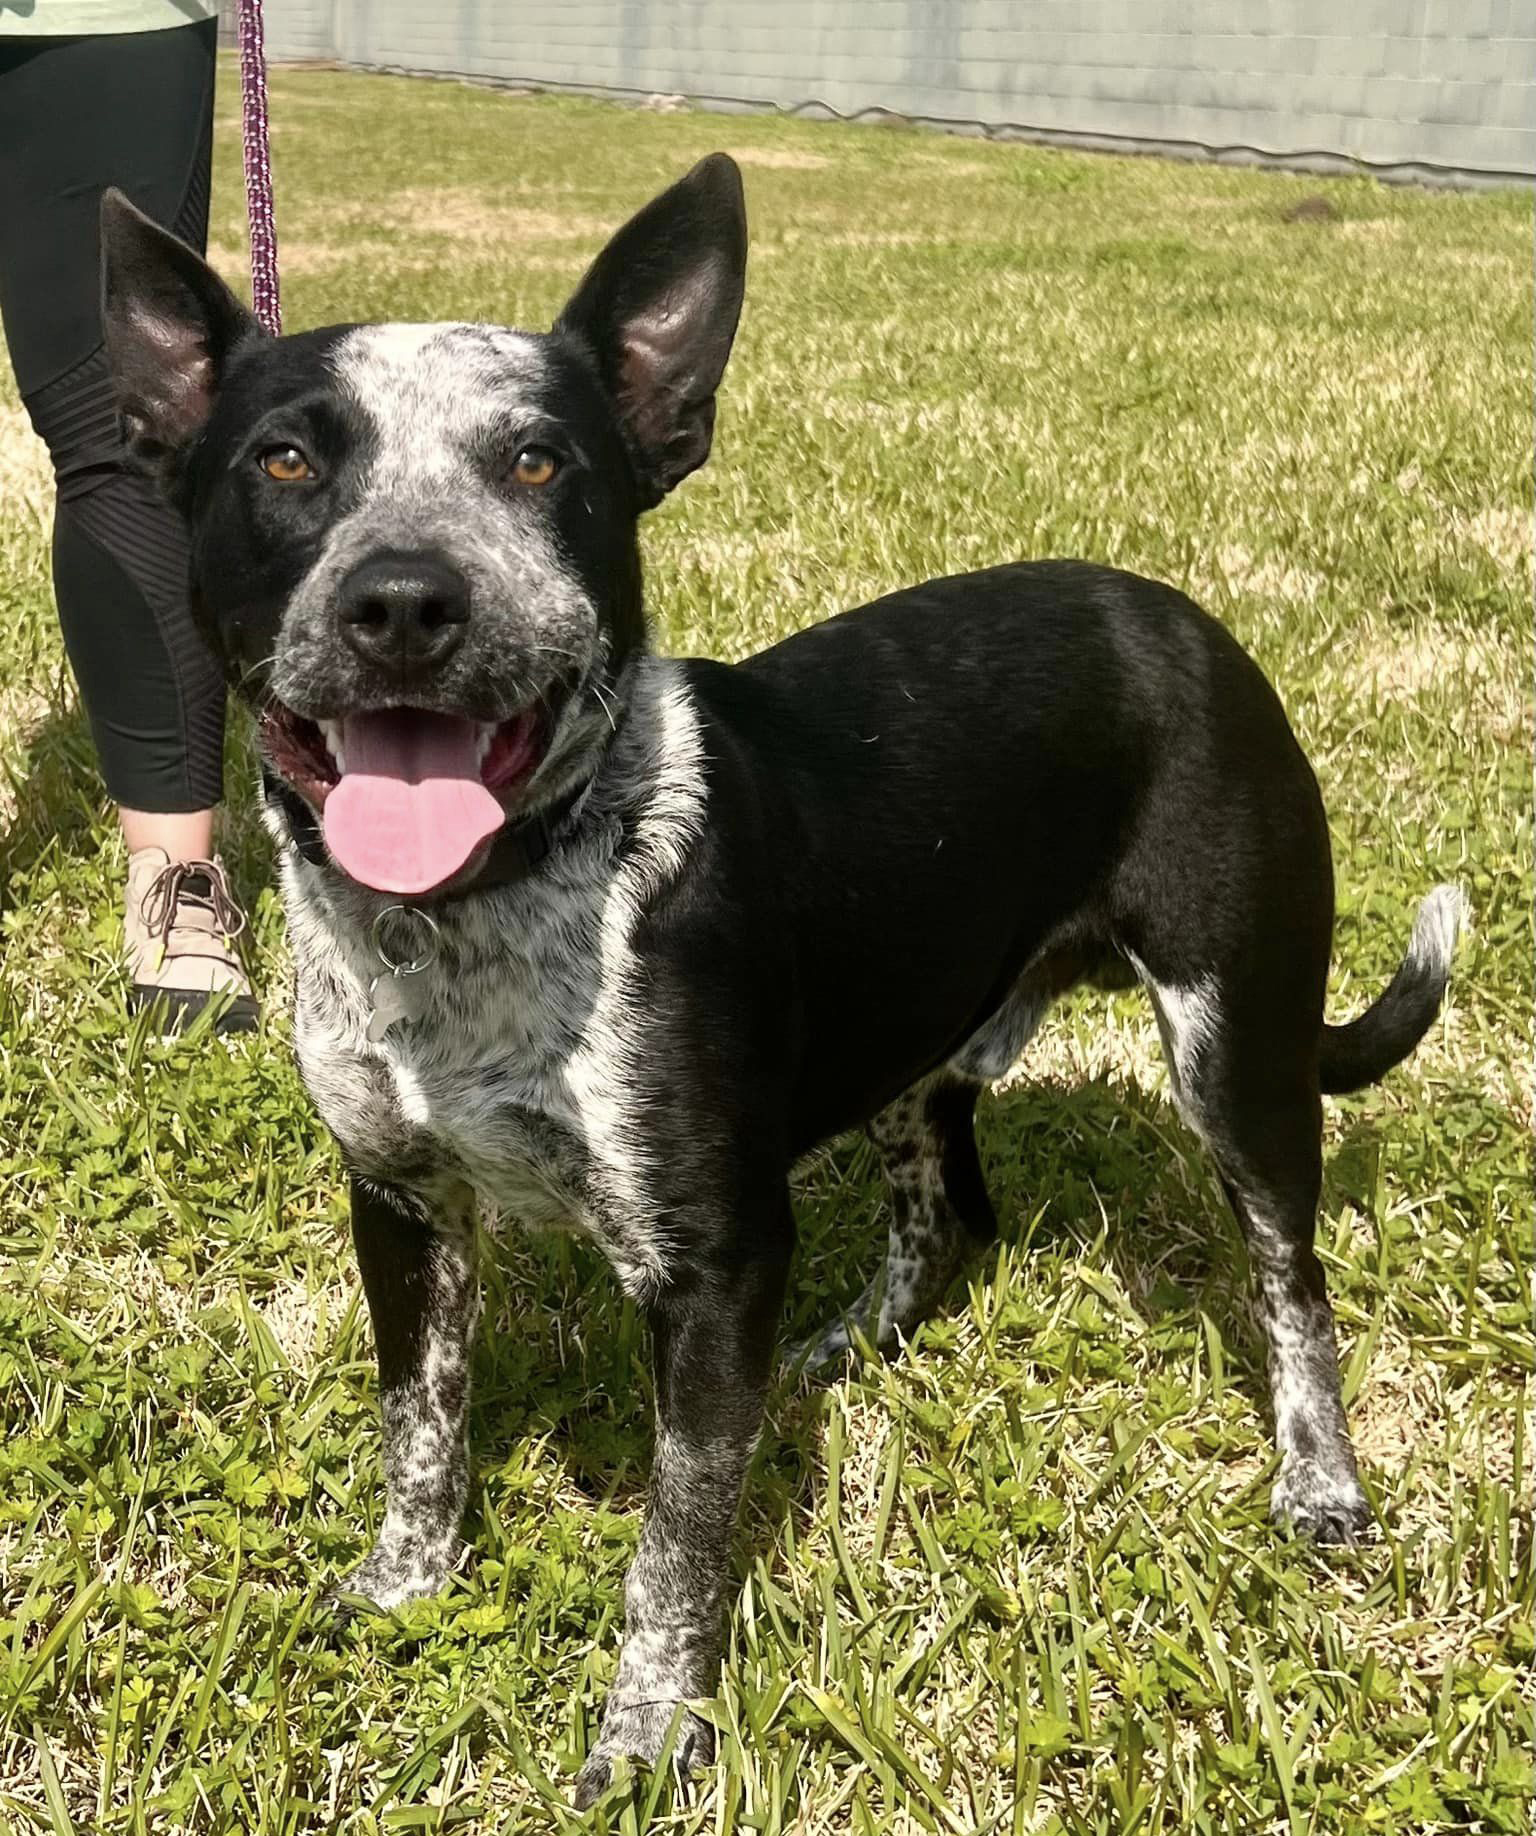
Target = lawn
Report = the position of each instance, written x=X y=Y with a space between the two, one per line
x=1020 y=1578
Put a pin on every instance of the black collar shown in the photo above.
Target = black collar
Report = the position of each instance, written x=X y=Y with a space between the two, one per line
x=518 y=848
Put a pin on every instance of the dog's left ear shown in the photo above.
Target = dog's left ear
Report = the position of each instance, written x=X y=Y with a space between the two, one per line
x=658 y=310
x=169 y=324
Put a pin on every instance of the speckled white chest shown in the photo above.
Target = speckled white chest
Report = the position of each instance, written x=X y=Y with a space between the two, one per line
x=474 y=1085
x=519 y=1070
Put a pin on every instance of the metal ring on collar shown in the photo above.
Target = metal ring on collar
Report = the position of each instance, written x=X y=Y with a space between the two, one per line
x=412 y=965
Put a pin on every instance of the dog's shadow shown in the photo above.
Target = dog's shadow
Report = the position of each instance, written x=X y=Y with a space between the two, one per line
x=1103 y=1171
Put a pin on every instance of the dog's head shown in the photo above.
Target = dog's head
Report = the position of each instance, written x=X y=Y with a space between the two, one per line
x=414 y=545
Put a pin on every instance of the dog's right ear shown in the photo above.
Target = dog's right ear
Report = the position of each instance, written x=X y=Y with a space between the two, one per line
x=169 y=323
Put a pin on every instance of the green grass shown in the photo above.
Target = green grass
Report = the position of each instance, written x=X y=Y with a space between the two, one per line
x=1020 y=1578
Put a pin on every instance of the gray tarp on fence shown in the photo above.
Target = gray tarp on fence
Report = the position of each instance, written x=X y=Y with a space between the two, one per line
x=1426 y=87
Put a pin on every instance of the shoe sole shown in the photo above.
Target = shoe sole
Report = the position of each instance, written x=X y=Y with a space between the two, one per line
x=238 y=1014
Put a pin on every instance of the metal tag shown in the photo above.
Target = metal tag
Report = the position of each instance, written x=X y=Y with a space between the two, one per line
x=393 y=999
x=391 y=992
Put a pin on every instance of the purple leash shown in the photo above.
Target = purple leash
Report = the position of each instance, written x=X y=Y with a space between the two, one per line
x=265 y=301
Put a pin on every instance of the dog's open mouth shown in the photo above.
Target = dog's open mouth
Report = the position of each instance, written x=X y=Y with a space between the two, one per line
x=407 y=798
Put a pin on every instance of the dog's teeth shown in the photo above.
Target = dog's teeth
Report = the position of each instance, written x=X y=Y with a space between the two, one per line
x=483 y=740
x=330 y=732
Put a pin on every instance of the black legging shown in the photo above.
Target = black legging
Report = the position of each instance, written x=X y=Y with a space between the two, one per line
x=77 y=115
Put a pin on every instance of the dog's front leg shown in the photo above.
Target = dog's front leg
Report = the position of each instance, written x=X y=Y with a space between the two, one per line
x=418 y=1264
x=714 y=1335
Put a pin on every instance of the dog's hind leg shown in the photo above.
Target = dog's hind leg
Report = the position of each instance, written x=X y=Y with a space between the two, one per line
x=1250 y=1093
x=940 y=1213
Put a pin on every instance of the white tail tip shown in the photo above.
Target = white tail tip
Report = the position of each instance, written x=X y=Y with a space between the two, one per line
x=1441 y=919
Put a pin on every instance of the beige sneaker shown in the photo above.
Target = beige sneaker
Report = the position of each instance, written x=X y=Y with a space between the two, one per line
x=181 y=925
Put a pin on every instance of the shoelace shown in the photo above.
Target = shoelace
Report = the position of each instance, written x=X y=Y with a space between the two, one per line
x=176 y=883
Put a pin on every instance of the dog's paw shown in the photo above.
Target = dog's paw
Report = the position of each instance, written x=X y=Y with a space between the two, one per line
x=1328 y=1507
x=846 y=1336
x=816 y=1356
x=640 y=1732
x=391 y=1574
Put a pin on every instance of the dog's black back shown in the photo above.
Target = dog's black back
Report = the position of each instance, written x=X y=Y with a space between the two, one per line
x=972 y=769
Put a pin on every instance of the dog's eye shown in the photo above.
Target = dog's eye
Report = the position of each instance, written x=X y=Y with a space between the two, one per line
x=286 y=464
x=535 y=466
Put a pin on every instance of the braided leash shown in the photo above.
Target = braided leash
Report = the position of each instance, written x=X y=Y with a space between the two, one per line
x=265 y=301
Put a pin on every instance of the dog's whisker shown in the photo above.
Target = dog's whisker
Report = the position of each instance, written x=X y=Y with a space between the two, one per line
x=597 y=689
x=267 y=662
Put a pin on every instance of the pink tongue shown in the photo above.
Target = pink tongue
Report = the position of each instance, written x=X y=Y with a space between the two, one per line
x=410 y=809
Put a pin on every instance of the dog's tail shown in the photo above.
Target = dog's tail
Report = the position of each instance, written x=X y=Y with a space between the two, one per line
x=1364 y=1050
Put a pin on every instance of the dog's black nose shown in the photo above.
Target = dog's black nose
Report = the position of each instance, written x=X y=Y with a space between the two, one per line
x=405 y=612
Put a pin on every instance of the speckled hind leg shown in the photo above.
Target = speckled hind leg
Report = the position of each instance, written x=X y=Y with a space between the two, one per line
x=1250 y=1093
x=940 y=1214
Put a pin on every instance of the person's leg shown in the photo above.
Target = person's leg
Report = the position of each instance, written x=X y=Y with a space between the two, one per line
x=184 y=835
x=77 y=115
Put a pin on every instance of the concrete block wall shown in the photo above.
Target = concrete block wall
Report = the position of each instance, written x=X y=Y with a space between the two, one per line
x=296 y=30
x=1417 y=88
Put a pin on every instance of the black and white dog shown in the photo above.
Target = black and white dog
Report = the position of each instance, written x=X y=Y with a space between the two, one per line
x=611 y=940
